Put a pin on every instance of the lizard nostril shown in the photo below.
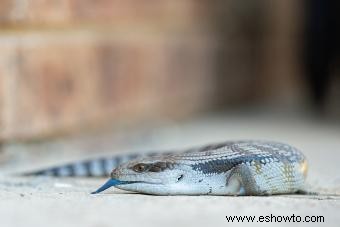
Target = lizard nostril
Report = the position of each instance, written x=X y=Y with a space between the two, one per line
x=180 y=177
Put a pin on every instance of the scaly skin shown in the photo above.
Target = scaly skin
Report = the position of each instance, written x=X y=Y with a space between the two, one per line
x=232 y=168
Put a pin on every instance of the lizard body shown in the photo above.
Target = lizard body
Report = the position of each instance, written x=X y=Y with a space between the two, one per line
x=230 y=168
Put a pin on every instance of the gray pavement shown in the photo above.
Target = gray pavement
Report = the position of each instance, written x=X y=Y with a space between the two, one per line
x=49 y=202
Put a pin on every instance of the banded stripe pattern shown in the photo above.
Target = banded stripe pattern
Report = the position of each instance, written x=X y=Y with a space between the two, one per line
x=98 y=167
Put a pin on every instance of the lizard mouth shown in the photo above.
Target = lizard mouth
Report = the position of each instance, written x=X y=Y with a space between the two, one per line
x=114 y=182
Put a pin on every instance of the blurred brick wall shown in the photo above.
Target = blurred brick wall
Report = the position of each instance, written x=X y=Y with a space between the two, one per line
x=73 y=64
x=69 y=65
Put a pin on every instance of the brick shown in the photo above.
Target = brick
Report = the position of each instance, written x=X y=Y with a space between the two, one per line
x=47 y=12
x=5 y=10
x=35 y=12
x=184 y=77
x=8 y=73
x=144 y=12
x=55 y=88
x=50 y=86
x=156 y=75
x=67 y=82
x=178 y=14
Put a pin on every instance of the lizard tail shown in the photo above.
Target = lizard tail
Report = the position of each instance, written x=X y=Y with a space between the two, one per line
x=99 y=167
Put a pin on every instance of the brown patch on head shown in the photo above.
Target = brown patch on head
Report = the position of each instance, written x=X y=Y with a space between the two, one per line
x=152 y=167
x=159 y=166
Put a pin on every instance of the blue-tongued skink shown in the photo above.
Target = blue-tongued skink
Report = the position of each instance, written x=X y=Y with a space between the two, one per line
x=229 y=168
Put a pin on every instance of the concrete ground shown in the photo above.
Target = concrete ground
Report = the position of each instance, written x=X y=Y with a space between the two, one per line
x=41 y=202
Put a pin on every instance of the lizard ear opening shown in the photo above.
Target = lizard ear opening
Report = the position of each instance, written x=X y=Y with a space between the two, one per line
x=180 y=177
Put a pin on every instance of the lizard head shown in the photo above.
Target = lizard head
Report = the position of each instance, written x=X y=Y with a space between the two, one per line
x=151 y=175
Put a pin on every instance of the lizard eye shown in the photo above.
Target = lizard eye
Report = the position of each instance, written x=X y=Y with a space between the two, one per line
x=141 y=167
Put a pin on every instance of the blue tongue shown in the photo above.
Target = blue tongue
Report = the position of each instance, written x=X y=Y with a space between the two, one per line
x=109 y=184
